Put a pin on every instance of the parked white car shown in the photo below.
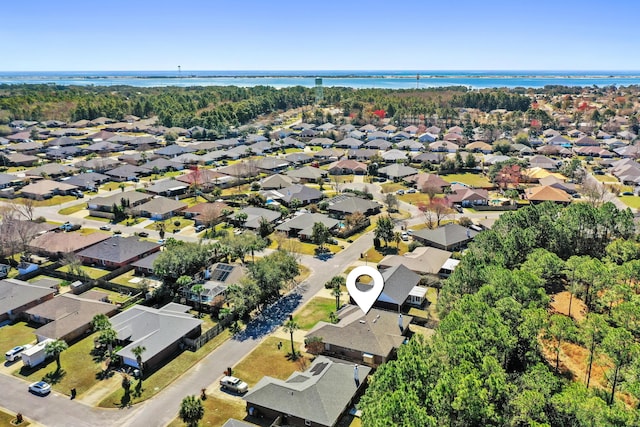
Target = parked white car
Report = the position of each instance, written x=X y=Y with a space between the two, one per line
x=15 y=352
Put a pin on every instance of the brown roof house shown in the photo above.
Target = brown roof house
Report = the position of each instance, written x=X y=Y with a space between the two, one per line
x=17 y=296
x=347 y=167
x=318 y=397
x=67 y=317
x=59 y=244
x=371 y=339
x=547 y=193
x=118 y=251
x=423 y=260
x=45 y=189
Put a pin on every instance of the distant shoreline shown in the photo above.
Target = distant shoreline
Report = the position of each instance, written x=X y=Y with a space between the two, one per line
x=364 y=79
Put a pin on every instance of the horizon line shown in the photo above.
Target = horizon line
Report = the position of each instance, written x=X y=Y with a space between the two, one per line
x=326 y=70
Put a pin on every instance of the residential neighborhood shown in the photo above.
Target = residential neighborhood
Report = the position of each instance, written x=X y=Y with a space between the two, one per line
x=143 y=258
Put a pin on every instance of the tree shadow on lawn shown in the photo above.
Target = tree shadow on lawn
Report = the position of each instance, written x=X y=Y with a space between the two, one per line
x=54 y=377
x=271 y=318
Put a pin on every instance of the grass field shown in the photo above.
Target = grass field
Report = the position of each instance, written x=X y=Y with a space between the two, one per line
x=92 y=272
x=316 y=310
x=471 y=179
x=631 y=201
x=375 y=255
x=116 y=297
x=217 y=411
x=55 y=200
x=160 y=379
x=169 y=224
x=78 y=369
x=267 y=359
x=16 y=334
x=606 y=178
x=392 y=187
x=72 y=209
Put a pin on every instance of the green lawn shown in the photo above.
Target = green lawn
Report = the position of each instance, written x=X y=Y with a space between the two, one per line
x=55 y=200
x=316 y=310
x=92 y=272
x=607 y=178
x=72 y=209
x=217 y=411
x=169 y=225
x=160 y=379
x=116 y=297
x=16 y=334
x=295 y=245
x=471 y=179
x=392 y=187
x=78 y=369
x=374 y=255
x=97 y=218
x=631 y=201
x=267 y=359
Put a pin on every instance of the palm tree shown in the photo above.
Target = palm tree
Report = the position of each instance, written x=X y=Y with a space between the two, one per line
x=191 y=410
x=336 y=292
x=197 y=289
x=108 y=337
x=291 y=326
x=137 y=352
x=54 y=348
x=100 y=322
x=161 y=228
x=397 y=237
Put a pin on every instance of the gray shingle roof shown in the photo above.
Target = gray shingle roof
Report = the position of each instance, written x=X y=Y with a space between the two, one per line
x=152 y=328
x=447 y=235
x=320 y=394
x=119 y=249
x=398 y=283
x=16 y=293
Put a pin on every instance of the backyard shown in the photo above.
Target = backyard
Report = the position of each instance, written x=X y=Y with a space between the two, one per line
x=91 y=272
x=470 y=179
x=16 y=334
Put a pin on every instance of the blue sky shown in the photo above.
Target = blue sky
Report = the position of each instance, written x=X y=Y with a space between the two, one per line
x=323 y=35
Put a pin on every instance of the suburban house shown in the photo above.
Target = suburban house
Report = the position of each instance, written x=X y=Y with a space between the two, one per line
x=17 y=296
x=103 y=206
x=67 y=316
x=169 y=188
x=370 y=339
x=423 y=260
x=424 y=181
x=397 y=171
x=305 y=195
x=255 y=215
x=318 y=397
x=87 y=181
x=118 y=251
x=217 y=278
x=277 y=181
x=547 y=193
x=302 y=225
x=449 y=237
x=160 y=331
x=144 y=266
x=206 y=213
x=347 y=167
x=127 y=173
x=468 y=196
x=307 y=174
x=345 y=204
x=272 y=164
x=400 y=289
x=45 y=189
x=56 y=245
x=160 y=208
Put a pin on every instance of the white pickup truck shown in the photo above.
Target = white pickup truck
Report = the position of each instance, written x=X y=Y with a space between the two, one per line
x=234 y=384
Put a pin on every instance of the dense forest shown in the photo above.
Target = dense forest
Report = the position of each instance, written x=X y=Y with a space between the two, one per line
x=220 y=108
x=495 y=358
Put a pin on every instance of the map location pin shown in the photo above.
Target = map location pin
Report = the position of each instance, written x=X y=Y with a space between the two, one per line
x=365 y=299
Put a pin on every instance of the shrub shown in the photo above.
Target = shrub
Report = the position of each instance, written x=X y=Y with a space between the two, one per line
x=376 y=242
x=413 y=245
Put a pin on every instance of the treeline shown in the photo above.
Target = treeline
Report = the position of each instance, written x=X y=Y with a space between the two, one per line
x=495 y=357
x=220 y=107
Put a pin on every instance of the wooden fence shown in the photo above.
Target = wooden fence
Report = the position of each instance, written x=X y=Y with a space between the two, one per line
x=194 y=344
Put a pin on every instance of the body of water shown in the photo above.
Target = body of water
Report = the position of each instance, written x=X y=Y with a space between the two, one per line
x=354 y=79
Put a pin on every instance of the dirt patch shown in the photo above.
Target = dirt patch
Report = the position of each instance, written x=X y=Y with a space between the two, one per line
x=560 y=304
